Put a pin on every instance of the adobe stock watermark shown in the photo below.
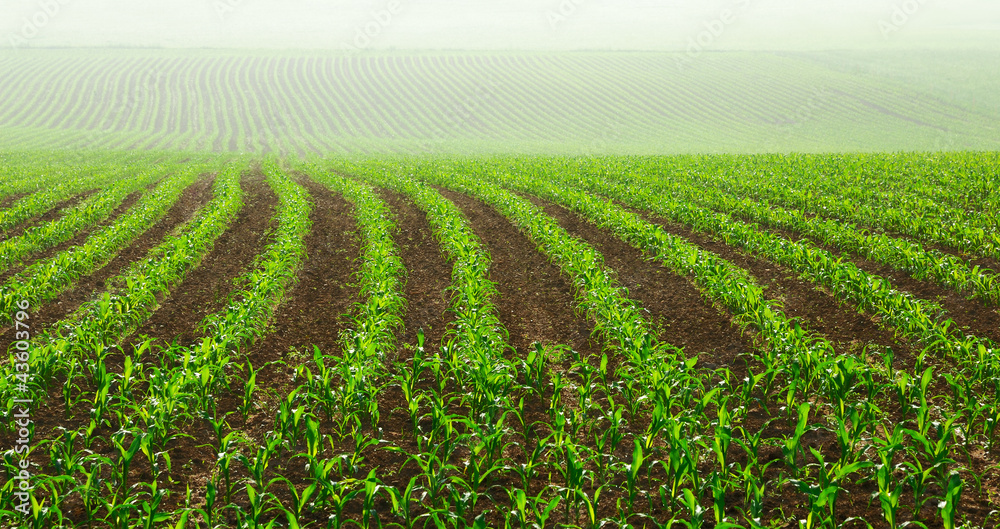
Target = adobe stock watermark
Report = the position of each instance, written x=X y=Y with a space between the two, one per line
x=224 y=8
x=378 y=21
x=563 y=12
x=712 y=31
x=22 y=402
x=901 y=15
x=32 y=26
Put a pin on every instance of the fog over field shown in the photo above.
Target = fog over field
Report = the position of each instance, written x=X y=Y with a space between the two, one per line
x=539 y=76
x=504 y=24
x=547 y=264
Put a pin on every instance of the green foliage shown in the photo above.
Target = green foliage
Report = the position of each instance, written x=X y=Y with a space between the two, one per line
x=640 y=434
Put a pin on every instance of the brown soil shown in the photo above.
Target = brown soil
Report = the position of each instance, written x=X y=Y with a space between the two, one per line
x=10 y=199
x=849 y=332
x=982 y=262
x=685 y=318
x=77 y=240
x=316 y=310
x=53 y=213
x=190 y=200
x=324 y=290
x=536 y=302
x=971 y=315
x=207 y=288
x=844 y=327
x=51 y=415
x=985 y=263
x=428 y=275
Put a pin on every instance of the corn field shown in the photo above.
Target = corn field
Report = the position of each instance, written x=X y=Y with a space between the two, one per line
x=760 y=341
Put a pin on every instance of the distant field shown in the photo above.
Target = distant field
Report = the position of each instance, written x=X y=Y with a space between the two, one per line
x=495 y=102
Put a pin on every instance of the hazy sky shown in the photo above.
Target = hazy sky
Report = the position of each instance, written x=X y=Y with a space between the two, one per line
x=503 y=24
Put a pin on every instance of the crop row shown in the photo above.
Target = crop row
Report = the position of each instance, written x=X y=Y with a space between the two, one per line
x=95 y=328
x=912 y=317
x=476 y=341
x=44 y=280
x=910 y=257
x=29 y=171
x=371 y=339
x=43 y=200
x=80 y=217
x=836 y=376
x=973 y=232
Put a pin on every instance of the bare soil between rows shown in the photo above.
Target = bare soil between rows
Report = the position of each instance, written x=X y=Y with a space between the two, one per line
x=52 y=414
x=206 y=289
x=972 y=315
x=192 y=198
x=53 y=213
x=428 y=275
x=989 y=263
x=849 y=333
x=685 y=318
x=9 y=200
x=76 y=240
x=314 y=313
x=536 y=303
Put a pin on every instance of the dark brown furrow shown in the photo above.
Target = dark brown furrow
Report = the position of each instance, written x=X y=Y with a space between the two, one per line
x=536 y=302
x=206 y=288
x=685 y=318
x=76 y=240
x=194 y=197
x=428 y=275
x=971 y=315
x=53 y=213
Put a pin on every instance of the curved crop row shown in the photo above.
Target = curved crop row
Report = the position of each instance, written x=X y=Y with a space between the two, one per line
x=80 y=217
x=382 y=274
x=99 y=324
x=246 y=316
x=974 y=234
x=720 y=279
x=43 y=200
x=911 y=317
x=910 y=257
x=616 y=316
x=664 y=374
x=44 y=280
x=475 y=343
x=805 y=362
x=360 y=367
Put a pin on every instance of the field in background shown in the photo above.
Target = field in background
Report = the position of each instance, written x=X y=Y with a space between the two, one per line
x=588 y=103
